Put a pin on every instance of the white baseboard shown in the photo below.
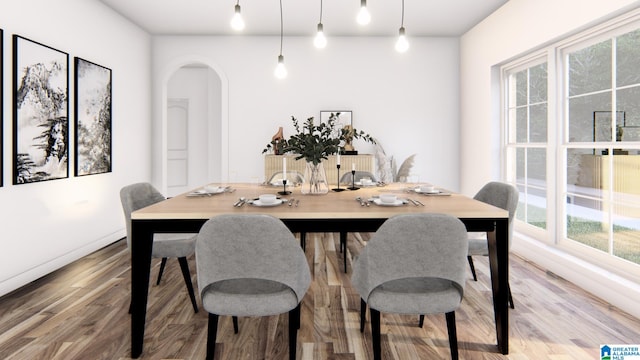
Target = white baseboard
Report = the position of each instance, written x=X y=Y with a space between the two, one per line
x=610 y=287
x=11 y=284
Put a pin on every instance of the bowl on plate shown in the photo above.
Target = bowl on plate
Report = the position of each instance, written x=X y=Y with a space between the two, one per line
x=267 y=198
x=388 y=198
x=427 y=188
x=211 y=189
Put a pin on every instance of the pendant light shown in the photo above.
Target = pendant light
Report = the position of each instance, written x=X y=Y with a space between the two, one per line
x=237 y=23
x=281 y=71
x=363 y=16
x=320 y=40
x=402 y=44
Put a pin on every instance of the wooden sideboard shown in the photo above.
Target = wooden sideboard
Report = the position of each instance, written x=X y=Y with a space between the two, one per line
x=362 y=162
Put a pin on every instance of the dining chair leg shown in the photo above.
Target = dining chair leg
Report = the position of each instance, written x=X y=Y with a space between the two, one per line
x=363 y=312
x=212 y=330
x=453 y=336
x=473 y=268
x=235 y=324
x=184 y=266
x=303 y=240
x=162 y=265
x=293 y=331
x=421 y=322
x=375 y=333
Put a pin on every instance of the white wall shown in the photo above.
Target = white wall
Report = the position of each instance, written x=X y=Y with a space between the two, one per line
x=516 y=28
x=45 y=225
x=409 y=102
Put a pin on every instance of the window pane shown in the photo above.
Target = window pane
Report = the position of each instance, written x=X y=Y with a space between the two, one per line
x=538 y=84
x=628 y=103
x=586 y=223
x=536 y=167
x=538 y=130
x=520 y=161
x=626 y=233
x=584 y=172
x=537 y=207
x=590 y=69
x=521 y=125
x=627 y=55
x=521 y=88
x=581 y=117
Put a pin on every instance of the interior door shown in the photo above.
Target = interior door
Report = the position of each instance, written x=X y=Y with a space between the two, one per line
x=177 y=146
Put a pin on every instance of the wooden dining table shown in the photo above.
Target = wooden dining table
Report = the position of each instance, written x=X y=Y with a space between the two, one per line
x=332 y=212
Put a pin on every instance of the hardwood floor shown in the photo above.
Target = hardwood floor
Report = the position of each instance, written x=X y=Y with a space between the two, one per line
x=80 y=312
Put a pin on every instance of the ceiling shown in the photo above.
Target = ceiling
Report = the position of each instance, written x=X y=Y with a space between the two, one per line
x=262 y=17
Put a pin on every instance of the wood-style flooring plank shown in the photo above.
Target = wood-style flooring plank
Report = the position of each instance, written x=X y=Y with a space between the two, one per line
x=80 y=312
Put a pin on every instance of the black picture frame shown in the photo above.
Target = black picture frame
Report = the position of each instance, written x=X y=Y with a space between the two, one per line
x=345 y=117
x=1 y=107
x=92 y=113
x=40 y=112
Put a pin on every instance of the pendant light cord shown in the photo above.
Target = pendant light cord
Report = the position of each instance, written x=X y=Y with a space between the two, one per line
x=320 y=11
x=281 y=27
x=402 y=21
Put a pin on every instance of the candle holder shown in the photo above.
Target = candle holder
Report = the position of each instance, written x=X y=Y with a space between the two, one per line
x=284 y=188
x=353 y=181
x=338 y=189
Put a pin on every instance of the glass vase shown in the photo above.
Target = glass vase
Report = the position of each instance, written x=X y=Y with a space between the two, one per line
x=315 y=180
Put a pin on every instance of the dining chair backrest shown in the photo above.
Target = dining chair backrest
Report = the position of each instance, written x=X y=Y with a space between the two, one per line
x=137 y=196
x=252 y=247
x=293 y=177
x=348 y=177
x=502 y=195
x=413 y=246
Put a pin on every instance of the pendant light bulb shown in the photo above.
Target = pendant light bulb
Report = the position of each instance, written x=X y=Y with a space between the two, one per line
x=402 y=44
x=320 y=40
x=363 y=16
x=237 y=23
x=281 y=71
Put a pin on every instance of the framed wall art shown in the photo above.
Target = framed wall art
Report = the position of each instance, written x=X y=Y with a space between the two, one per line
x=1 y=106
x=40 y=112
x=92 y=113
x=345 y=117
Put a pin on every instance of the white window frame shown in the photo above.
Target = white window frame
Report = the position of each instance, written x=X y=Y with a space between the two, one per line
x=557 y=140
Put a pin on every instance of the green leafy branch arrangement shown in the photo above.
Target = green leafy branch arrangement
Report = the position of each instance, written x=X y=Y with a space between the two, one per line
x=316 y=142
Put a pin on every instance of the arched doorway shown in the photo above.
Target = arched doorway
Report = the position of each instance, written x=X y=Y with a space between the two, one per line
x=194 y=126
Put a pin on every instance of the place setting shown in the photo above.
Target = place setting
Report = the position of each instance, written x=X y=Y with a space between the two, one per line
x=428 y=190
x=387 y=200
x=210 y=190
x=267 y=200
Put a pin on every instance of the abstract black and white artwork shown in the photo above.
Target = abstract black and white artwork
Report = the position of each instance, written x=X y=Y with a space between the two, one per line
x=40 y=112
x=93 y=118
x=1 y=104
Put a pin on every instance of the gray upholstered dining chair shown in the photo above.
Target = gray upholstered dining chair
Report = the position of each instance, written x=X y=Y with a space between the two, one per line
x=293 y=178
x=250 y=265
x=413 y=264
x=348 y=177
x=504 y=196
x=140 y=195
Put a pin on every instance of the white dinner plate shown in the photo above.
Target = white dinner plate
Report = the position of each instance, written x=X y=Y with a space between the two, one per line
x=203 y=192
x=398 y=202
x=260 y=203
x=359 y=183
x=433 y=192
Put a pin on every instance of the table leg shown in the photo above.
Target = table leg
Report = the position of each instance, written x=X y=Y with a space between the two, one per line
x=498 y=242
x=142 y=241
